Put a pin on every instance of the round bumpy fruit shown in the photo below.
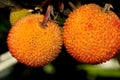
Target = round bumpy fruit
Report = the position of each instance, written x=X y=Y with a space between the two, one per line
x=33 y=44
x=18 y=14
x=91 y=35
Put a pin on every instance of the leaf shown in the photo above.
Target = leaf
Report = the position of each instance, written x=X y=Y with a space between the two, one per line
x=6 y=3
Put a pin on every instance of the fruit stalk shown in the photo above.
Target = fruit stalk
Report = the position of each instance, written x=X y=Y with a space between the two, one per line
x=107 y=7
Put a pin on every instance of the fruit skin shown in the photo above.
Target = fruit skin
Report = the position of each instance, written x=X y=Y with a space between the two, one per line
x=90 y=35
x=17 y=14
x=33 y=44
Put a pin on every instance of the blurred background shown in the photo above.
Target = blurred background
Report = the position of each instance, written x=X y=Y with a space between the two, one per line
x=64 y=66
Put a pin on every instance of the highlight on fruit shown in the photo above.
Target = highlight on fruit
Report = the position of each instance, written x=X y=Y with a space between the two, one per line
x=91 y=35
x=33 y=44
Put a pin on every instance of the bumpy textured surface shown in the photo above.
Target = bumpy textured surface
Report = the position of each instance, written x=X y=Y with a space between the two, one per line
x=31 y=43
x=90 y=35
x=15 y=15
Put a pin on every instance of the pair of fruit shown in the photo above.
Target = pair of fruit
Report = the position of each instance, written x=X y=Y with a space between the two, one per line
x=89 y=35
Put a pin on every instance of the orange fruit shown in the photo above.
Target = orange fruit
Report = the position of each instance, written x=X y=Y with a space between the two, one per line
x=90 y=35
x=33 y=44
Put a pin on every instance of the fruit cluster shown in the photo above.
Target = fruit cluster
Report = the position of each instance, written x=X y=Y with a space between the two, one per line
x=89 y=34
